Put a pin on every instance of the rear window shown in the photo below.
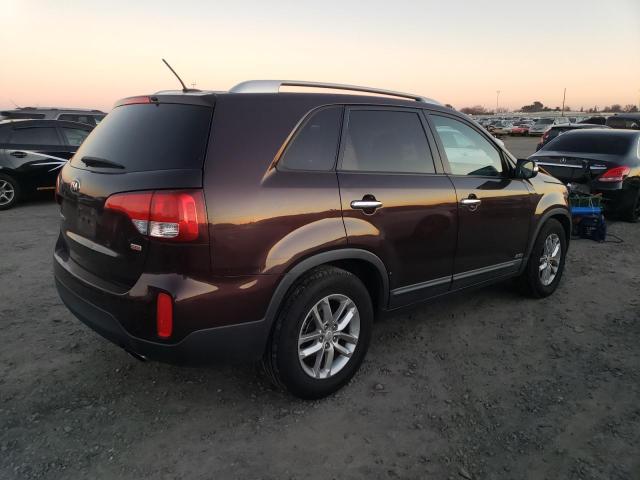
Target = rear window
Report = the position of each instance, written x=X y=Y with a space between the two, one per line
x=150 y=137
x=35 y=136
x=630 y=123
x=608 y=144
x=545 y=121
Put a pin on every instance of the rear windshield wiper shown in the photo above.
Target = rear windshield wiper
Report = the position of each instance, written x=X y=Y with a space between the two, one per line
x=100 y=162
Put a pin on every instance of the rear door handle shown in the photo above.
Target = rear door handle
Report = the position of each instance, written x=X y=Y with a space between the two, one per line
x=470 y=201
x=18 y=154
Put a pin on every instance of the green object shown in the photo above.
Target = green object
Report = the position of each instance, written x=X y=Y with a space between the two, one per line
x=585 y=200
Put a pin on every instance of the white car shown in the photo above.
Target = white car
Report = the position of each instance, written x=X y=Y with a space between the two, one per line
x=545 y=124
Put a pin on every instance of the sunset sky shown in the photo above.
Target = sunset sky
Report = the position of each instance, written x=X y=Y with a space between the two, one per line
x=90 y=53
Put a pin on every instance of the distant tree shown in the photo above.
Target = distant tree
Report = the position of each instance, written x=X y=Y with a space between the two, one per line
x=475 y=110
x=502 y=110
x=567 y=108
x=448 y=105
x=557 y=109
x=534 y=107
x=616 y=108
x=582 y=109
x=631 y=108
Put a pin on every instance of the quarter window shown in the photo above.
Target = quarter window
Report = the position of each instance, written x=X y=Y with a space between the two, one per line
x=468 y=152
x=386 y=141
x=315 y=145
x=35 y=136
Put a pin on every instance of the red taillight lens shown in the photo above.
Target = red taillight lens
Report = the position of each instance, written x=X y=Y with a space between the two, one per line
x=164 y=315
x=617 y=174
x=170 y=215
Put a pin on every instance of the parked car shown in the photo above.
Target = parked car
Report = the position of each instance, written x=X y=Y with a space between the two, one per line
x=629 y=121
x=502 y=127
x=556 y=130
x=595 y=120
x=90 y=117
x=544 y=124
x=606 y=159
x=278 y=227
x=520 y=129
x=32 y=152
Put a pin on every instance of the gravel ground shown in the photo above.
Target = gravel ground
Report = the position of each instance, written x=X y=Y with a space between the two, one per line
x=485 y=385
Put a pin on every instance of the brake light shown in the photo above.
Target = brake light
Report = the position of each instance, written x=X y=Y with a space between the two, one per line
x=545 y=135
x=175 y=215
x=616 y=174
x=133 y=101
x=164 y=315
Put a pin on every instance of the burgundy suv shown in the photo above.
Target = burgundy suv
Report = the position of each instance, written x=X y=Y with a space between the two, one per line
x=257 y=224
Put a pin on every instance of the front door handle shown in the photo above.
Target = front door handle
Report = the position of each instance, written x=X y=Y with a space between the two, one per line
x=18 y=154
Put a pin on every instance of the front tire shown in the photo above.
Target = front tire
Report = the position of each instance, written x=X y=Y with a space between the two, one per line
x=9 y=192
x=321 y=335
x=546 y=263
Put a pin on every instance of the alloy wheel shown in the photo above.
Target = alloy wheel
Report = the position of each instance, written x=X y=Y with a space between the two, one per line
x=328 y=336
x=550 y=259
x=7 y=192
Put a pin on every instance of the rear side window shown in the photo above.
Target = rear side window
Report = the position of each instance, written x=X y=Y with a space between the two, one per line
x=468 y=152
x=35 y=136
x=21 y=115
x=603 y=142
x=316 y=144
x=74 y=136
x=88 y=119
x=4 y=135
x=386 y=141
x=150 y=137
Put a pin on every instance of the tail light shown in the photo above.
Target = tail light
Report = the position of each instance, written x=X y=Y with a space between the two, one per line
x=164 y=315
x=135 y=101
x=545 y=136
x=616 y=174
x=174 y=215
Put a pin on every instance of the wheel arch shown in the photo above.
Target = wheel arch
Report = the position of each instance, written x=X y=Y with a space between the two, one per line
x=560 y=214
x=365 y=265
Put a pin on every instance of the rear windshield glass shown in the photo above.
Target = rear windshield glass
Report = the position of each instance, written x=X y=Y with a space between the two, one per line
x=150 y=137
x=604 y=143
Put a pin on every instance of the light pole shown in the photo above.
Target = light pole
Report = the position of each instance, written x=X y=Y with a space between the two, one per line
x=564 y=96
x=497 y=100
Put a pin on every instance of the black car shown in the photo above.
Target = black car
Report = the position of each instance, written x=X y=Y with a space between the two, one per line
x=32 y=152
x=629 y=121
x=607 y=160
x=556 y=130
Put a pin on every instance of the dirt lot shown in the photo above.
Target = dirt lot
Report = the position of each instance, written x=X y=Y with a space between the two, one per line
x=484 y=385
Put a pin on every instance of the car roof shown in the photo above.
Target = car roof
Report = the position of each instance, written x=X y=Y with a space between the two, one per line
x=52 y=109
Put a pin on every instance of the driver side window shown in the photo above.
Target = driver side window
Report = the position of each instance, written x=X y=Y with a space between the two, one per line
x=467 y=151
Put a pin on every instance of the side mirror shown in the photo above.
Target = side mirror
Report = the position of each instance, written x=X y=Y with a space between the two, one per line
x=526 y=168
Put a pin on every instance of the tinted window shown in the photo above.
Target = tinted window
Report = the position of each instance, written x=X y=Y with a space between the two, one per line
x=74 y=136
x=592 y=142
x=150 y=137
x=545 y=121
x=35 y=136
x=4 y=134
x=468 y=152
x=386 y=141
x=88 y=119
x=632 y=124
x=22 y=115
x=315 y=145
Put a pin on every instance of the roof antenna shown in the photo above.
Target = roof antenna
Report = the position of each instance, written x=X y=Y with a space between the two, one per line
x=184 y=87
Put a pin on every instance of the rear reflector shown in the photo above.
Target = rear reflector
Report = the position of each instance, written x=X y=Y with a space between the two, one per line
x=164 y=315
x=176 y=215
x=617 y=174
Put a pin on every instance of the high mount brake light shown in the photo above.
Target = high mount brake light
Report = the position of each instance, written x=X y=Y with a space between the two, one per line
x=616 y=174
x=175 y=215
x=135 y=100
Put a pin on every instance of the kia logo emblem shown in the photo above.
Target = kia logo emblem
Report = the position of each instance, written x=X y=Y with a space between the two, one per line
x=75 y=186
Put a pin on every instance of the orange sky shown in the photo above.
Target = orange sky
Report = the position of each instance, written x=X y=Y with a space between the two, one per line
x=89 y=54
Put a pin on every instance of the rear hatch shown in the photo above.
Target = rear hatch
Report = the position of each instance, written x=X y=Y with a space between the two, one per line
x=144 y=146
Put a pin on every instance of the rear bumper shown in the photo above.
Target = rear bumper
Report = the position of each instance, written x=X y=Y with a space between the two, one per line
x=232 y=343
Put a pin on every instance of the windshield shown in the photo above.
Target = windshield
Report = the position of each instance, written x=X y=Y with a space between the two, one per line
x=608 y=143
x=545 y=121
x=145 y=137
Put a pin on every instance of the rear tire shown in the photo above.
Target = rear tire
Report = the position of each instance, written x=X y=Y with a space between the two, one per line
x=291 y=361
x=633 y=210
x=9 y=192
x=544 y=268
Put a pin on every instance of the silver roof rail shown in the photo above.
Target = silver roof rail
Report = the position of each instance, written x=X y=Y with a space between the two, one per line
x=273 y=86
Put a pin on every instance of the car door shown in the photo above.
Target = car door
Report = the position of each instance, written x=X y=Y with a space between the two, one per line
x=36 y=154
x=396 y=201
x=494 y=209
